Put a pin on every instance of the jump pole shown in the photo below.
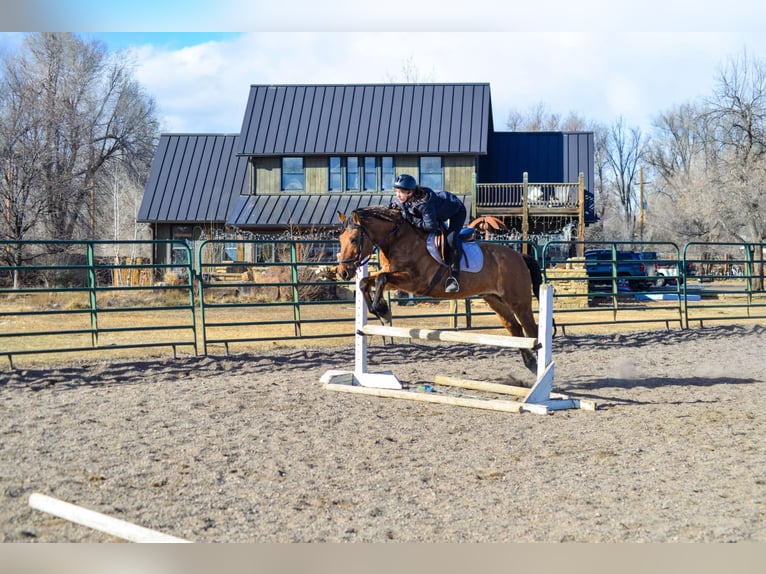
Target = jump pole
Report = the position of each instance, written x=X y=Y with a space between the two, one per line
x=538 y=399
x=98 y=521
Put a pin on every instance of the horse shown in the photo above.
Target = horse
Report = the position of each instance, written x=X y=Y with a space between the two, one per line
x=507 y=280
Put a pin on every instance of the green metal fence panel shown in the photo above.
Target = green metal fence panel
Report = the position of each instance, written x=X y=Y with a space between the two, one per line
x=273 y=290
x=616 y=283
x=730 y=278
x=88 y=296
x=76 y=296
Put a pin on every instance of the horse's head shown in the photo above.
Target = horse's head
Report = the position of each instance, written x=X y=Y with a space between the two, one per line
x=362 y=233
x=351 y=245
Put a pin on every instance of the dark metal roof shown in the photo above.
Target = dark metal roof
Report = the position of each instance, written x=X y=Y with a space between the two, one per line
x=366 y=119
x=194 y=178
x=280 y=211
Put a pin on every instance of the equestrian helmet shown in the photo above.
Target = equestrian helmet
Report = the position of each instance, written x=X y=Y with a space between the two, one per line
x=405 y=181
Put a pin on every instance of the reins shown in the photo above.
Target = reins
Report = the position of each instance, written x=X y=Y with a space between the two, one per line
x=359 y=260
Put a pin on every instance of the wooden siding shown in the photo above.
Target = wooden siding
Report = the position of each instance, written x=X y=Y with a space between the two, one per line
x=268 y=174
x=317 y=175
x=459 y=173
x=407 y=164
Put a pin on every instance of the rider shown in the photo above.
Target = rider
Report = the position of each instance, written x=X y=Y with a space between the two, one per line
x=427 y=209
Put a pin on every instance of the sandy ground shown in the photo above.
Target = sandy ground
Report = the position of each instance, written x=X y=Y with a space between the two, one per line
x=253 y=448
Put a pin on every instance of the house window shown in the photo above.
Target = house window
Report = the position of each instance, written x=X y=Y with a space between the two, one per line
x=264 y=252
x=370 y=174
x=431 y=174
x=387 y=173
x=335 y=174
x=231 y=251
x=179 y=254
x=352 y=173
x=293 y=176
x=355 y=174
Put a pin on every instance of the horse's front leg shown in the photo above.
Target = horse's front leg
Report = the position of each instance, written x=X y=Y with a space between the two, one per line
x=378 y=305
x=374 y=302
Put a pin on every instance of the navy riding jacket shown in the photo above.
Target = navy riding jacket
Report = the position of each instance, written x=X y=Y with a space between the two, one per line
x=436 y=207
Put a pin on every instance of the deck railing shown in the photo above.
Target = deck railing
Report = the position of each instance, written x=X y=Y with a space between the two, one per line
x=537 y=195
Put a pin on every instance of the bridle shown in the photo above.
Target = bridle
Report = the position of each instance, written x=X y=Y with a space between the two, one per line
x=358 y=261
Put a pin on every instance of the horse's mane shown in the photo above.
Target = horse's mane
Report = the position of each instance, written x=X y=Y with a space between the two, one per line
x=379 y=212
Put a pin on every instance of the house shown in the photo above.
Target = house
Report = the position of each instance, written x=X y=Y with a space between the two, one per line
x=305 y=152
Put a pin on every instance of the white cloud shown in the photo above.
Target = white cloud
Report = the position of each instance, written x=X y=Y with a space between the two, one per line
x=598 y=76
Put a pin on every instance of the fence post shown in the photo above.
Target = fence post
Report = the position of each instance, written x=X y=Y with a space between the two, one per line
x=296 y=296
x=525 y=212
x=581 y=215
x=92 y=295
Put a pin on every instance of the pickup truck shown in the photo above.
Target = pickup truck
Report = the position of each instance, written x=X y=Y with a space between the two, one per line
x=599 y=265
x=665 y=271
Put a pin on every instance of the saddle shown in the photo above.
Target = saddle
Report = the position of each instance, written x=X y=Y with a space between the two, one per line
x=473 y=258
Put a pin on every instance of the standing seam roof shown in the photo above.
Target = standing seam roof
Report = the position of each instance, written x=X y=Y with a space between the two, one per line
x=385 y=119
x=194 y=178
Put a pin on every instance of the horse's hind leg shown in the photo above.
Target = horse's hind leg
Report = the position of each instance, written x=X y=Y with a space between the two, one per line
x=508 y=318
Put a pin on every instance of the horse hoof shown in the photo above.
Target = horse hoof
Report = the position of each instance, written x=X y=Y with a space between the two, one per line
x=530 y=362
x=380 y=308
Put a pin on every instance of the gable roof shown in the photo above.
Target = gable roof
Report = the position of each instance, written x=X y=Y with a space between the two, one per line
x=194 y=178
x=280 y=211
x=383 y=119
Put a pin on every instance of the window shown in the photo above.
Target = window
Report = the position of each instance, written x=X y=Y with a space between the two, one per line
x=335 y=174
x=231 y=251
x=293 y=176
x=431 y=172
x=264 y=252
x=355 y=174
x=387 y=173
x=352 y=173
x=179 y=254
x=370 y=174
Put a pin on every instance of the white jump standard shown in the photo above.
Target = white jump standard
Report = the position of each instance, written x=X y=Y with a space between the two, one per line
x=538 y=399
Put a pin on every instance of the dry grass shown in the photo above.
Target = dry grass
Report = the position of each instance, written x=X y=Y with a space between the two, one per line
x=273 y=325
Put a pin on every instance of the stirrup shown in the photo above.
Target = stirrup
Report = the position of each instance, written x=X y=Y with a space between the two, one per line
x=451 y=285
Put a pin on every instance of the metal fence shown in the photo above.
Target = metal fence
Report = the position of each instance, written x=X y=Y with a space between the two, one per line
x=108 y=297
x=72 y=296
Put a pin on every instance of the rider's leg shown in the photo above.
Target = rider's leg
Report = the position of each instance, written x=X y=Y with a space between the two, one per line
x=455 y=249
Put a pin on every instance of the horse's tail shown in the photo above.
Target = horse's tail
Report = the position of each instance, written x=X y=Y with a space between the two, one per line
x=535 y=272
x=537 y=279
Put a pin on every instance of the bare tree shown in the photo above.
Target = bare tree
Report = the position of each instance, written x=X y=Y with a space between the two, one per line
x=83 y=113
x=678 y=208
x=116 y=217
x=22 y=205
x=624 y=149
x=410 y=73
x=737 y=151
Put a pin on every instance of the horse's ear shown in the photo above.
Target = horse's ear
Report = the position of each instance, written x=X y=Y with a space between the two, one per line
x=355 y=217
x=342 y=217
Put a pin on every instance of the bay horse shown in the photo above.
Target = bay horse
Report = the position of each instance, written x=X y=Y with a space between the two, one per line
x=506 y=281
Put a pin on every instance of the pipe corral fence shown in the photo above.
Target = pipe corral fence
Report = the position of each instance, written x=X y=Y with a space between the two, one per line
x=111 y=297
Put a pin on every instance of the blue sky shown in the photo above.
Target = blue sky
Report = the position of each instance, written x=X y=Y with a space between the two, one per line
x=594 y=57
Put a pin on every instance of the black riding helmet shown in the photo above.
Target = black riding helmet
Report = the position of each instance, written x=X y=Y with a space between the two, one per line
x=405 y=181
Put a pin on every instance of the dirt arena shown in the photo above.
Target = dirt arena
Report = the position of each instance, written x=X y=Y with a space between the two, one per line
x=252 y=448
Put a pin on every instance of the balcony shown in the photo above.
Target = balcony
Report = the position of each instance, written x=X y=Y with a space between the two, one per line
x=536 y=199
x=521 y=203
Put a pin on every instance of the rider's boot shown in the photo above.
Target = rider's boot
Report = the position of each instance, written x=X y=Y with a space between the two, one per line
x=451 y=285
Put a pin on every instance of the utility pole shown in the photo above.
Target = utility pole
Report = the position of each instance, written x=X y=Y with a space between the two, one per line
x=641 y=203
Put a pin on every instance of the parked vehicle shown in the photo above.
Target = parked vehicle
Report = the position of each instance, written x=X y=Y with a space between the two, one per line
x=665 y=271
x=603 y=265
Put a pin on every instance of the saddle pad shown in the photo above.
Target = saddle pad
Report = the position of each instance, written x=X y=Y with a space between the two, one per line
x=473 y=258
